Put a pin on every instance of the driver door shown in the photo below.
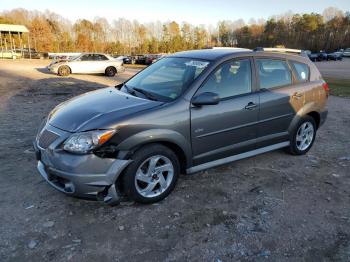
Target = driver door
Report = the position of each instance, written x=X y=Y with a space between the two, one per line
x=230 y=127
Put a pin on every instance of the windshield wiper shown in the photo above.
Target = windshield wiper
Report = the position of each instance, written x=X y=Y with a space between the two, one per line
x=147 y=94
x=130 y=90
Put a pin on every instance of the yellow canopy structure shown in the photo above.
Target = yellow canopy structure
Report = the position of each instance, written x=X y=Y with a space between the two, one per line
x=7 y=44
x=13 y=28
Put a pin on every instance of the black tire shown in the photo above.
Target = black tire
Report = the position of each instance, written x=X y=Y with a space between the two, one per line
x=294 y=147
x=139 y=157
x=63 y=70
x=110 y=71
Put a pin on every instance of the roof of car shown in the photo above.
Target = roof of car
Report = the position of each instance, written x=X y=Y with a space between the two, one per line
x=217 y=54
x=91 y=53
x=211 y=54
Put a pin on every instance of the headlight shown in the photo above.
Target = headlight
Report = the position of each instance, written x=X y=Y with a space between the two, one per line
x=87 y=141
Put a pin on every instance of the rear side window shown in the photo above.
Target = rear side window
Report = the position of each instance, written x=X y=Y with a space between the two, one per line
x=273 y=73
x=302 y=71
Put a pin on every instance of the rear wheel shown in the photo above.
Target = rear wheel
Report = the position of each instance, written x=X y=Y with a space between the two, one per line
x=152 y=175
x=110 y=71
x=303 y=136
x=63 y=71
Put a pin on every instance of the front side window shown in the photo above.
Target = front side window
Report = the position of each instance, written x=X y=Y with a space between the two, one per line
x=302 y=71
x=168 y=78
x=230 y=79
x=273 y=73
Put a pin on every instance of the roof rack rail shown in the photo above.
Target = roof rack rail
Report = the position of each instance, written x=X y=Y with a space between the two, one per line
x=229 y=47
x=277 y=49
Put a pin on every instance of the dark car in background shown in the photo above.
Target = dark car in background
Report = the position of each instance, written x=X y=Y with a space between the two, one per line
x=188 y=112
x=335 y=56
x=318 y=56
x=312 y=56
x=322 y=56
x=150 y=59
x=127 y=59
x=140 y=59
x=147 y=59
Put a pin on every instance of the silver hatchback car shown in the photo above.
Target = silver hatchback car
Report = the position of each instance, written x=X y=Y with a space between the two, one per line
x=187 y=112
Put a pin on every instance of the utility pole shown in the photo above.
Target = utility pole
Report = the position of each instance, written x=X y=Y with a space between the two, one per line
x=30 y=51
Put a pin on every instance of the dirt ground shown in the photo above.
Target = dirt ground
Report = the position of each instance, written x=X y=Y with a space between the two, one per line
x=272 y=207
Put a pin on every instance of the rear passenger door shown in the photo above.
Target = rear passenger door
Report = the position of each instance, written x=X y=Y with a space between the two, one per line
x=100 y=64
x=280 y=99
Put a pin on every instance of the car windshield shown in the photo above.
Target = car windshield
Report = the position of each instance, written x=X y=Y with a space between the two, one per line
x=74 y=57
x=168 y=78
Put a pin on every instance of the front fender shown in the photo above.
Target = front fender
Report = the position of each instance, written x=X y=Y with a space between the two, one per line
x=157 y=135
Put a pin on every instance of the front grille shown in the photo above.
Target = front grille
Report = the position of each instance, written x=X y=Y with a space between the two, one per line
x=47 y=138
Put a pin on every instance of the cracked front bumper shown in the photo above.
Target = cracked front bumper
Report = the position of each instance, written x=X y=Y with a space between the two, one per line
x=87 y=176
x=52 y=69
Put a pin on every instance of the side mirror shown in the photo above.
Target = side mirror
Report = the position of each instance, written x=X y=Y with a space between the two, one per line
x=206 y=98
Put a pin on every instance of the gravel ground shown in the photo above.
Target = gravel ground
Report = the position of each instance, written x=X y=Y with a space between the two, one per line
x=272 y=207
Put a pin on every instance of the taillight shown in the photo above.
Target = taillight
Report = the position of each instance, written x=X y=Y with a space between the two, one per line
x=326 y=88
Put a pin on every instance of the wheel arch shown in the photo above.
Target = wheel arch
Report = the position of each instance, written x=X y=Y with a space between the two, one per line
x=316 y=116
x=108 y=66
x=310 y=109
x=70 y=69
x=169 y=138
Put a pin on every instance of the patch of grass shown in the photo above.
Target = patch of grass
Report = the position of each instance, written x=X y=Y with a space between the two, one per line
x=339 y=87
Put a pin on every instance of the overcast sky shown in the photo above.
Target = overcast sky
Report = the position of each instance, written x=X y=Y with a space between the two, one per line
x=193 y=11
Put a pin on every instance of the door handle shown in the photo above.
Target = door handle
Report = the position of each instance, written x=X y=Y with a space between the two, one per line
x=250 y=106
x=297 y=95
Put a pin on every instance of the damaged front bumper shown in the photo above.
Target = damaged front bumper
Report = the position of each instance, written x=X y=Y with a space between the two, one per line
x=87 y=176
x=52 y=69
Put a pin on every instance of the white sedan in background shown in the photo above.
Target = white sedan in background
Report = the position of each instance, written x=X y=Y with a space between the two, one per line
x=88 y=63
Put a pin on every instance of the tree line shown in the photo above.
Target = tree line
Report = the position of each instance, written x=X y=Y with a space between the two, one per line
x=50 y=32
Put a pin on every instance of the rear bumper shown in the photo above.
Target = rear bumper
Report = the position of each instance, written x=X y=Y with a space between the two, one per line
x=87 y=176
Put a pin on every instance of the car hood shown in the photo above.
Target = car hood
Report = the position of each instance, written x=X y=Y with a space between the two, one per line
x=58 y=62
x=97 y=110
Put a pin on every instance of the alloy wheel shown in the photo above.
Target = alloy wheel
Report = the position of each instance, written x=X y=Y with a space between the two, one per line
x=305 y=136
x=154 y=176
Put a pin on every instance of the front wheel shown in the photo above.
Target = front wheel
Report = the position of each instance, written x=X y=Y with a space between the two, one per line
x=110 y=71
x=63 y=71
x=303 y=136
x=152 y=175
